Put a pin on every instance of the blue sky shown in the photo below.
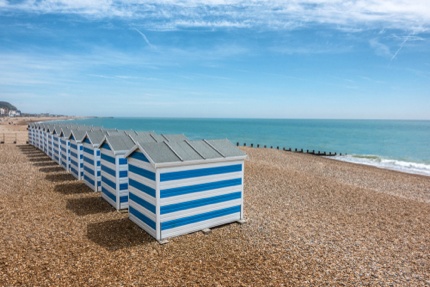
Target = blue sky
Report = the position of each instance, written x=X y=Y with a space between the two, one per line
x=217 y=58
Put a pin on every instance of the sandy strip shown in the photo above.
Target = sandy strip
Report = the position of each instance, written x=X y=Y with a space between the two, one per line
x=311 y=222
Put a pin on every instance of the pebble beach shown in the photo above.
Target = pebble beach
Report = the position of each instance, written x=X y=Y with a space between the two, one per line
x=311 y=221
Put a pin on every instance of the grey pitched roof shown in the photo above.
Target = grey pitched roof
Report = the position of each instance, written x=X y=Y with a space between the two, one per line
x=96 y=137
x=183 y=151
x=120 y=143
x=175 y=137
x=78 y=134
x=143 y=137
x=66 y=132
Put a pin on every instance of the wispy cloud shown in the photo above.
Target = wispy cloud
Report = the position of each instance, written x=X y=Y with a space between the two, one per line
x=275 y=14
x=144 y=38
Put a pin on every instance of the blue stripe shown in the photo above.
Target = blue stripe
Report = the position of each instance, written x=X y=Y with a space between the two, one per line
x=73 y=146
x=89 y=160
x=89 y=170
x=98 y=152
x=108 y=182
x=199 y=217
x=107 y=192
x=142 y=217
x=109 y=171
x=123 y=199
x=142 y=202
x=139 y=156
x=98 y=163
x=140 y=186
x=200 y=172
x=199 y=187
x=123 y=186
x=74 y=171
x=73 y=154
x=74 y=163
x=140 y=171
x=122 y=161
x=89 y=180
x=108 y=158
x=88 y=151
x=105 y=146
x=199 y=202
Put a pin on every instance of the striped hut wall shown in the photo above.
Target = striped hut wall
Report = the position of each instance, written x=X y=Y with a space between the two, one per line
x=65 y=153
x=39 y=139
x=46 y=143
x=92 y=169
x=56 y=149
x=76 y=160
x=142 y=208
x=196 y=197
x=50 y=144
x=114 y=178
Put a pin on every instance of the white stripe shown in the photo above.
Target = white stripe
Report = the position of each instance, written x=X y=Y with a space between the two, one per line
x=199 y=180
x=197 y=195
x=199 y=210
x=189 y=228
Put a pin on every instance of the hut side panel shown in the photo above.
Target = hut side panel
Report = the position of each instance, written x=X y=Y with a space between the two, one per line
x=64 y=151
x=142 y=193
x=193 y=198
x=56 y=148
x=76 y=160
x=50 y=145
x=114 y=178
x=92 y=169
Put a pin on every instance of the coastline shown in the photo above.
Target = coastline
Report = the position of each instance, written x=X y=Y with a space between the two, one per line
x=310 y=221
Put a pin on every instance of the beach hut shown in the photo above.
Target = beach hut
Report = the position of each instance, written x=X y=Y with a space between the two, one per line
x=77 y=152
x=30 y=134
x=181 y=187
x=48 y=147
x=56 y=152
x=92 y=167
x=65 y=147
x=114 y=169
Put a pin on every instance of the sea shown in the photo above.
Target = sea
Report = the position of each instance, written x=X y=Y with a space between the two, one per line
x=402 y=145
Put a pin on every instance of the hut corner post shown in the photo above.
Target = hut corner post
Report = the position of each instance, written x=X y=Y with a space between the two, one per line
x=242 y=216
x=117 y=185
x=157 y=214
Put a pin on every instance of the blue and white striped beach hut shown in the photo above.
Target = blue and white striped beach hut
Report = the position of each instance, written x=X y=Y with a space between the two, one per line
x=77 y=152
x=65 y=148
x=56 y=144
x=181 y=187
x=92 y=167
x=30 y=133
x=48 y=141
x=114 y=169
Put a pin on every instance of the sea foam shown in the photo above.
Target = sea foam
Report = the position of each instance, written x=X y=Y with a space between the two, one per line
x=385 y=163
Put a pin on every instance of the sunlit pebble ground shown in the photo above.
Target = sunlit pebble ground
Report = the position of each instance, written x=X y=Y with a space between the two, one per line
x=310 y=222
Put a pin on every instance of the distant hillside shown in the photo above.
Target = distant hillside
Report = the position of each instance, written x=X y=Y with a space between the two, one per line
x=6 y=105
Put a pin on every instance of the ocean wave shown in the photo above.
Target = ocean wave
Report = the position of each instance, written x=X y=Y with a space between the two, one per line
x=386 y=163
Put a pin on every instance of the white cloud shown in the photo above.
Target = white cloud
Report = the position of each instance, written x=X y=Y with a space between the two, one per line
x=275 y=14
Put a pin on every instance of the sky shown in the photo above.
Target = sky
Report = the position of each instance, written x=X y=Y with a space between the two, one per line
x=336 y=59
